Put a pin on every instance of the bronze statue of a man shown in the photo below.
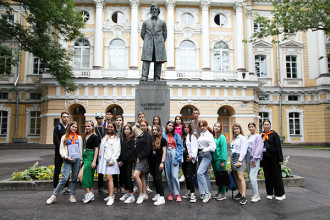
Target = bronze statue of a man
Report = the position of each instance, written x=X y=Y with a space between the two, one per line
x=154 y=34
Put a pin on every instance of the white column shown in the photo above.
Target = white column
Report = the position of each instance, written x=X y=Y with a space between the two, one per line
x=249 y=52
x=98 y=51
x=240 y=58
x=323 y=63
x=134 y=46
x=170 y=4
x=205 y=4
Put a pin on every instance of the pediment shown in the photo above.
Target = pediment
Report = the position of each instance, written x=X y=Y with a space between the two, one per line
x=292 y=44
x=262 y=44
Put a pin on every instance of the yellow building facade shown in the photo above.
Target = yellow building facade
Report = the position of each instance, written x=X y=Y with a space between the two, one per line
x=208 y=67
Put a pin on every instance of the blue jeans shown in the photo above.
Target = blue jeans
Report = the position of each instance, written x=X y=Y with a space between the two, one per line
x=172 y=172
x=203 y=176
x=67 y=167
x=253 y=172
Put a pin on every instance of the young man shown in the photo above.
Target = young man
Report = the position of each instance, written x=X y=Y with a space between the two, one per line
x=59 y=131
x=194 y=123
x=119 y=124
x=108 y=117
x=119 y=127
x=100 y=131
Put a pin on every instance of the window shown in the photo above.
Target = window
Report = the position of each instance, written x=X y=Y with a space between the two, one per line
x=187 y=19
x=261 y=65
x=3 y=122
x=38 y=66
x=35 y=123
x=186 y=113
x=293 y=98
x=187 y=56
x=118 y=17
x=221 y=56
x=291 y=67
x=35 y=95
x=257 y=27
x=9 y=18
x=263 y=97
x=294 y=123
x=220 y=20
x=85 y=15
x=3 y=95
x=5 y=62
x=117 y=54
x=81 y=53
x=263 y=116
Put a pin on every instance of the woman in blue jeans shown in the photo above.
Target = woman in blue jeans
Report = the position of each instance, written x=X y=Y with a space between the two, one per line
x=206 y=145
x=71 y=152
x=173 y=159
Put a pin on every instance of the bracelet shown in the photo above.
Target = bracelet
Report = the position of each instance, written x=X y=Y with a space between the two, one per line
x=163 y=162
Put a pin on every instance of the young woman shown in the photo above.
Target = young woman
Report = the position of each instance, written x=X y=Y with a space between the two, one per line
x=126 y=160
x=143 y=151
x=178 y=125
x=156 y=163
x=219 y=157
x=271 y=162
x=206 y=145
x=157 y=121
x=239 y=149
x=253 y=157
x=71 y=152
x=109 y=153
x=173 y=159
x=190 y=145
x=90 y=152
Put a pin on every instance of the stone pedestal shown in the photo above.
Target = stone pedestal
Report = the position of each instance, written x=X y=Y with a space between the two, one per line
x=153 y=98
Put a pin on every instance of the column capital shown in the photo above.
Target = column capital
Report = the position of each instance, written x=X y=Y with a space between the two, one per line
x=248 y=11
x=170 y=4
x=99 y=3
x=205 y=5
x=239 y=6
x=134 y=3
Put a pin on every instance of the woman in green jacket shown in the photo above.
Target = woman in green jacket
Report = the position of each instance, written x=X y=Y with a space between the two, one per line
x=219 y=157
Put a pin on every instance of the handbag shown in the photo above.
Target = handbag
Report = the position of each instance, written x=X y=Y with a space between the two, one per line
x=222 y=178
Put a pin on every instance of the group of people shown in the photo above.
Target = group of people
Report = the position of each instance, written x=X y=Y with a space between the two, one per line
x=113 y=149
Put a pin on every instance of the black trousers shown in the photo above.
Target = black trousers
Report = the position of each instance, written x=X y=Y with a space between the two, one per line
x=58 y=161
x=119 y=177
x=273 y=176
x=157 y=175
x=126 y=173
x=189 y=168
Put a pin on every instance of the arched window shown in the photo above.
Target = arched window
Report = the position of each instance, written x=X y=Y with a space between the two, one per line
x=81 y=53
x=221 y=56
x=118 y=17
x=117 y=54
x=85 y=15
x=187 y=114
x=187 y=57
x=220 y=20
x=187 y=19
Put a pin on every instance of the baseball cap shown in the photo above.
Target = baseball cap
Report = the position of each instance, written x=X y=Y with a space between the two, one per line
x=99 y=116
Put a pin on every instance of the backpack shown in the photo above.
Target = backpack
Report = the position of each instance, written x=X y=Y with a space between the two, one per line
x=232 y=186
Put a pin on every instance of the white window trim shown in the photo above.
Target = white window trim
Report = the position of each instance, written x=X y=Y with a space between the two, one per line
x=91 y=52
x=193 y=11
x=107 y=51
x=177 y=53
x=231 y=55
x=90 y=10
x=226 y=13
x=8 y=110
x=33 y=108
x=301 y=121
x=267 y=65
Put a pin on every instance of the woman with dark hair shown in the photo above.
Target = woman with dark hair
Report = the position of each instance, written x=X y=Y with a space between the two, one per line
x=143 y=150
x=239 y=148
x=173 y=159
x=206 y=145
x=109 y=153
x=271 y=162
x=157 y=121
x=156 y=163
x=126 y=159
x=178 y=124
x=71 y=152
x=90 y=152
x=219 y=157
x=190 y=146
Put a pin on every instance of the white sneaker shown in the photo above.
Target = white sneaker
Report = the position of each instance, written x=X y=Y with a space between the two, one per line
x=255 y=198
x=215 y=195
x=181 y=179
x=207 y=197
x=270 y=197
x=149 y=190
x=221 y=197
x=202 y=196
x=155 y=198
x=280 y=198
x=89 y=197
x=124 y=197
x=146 y=197
x=51 y=200
x=84 y=197
x=160 y=201
x=193 y=199
x=66 y=190
x=110 y=201
x=107 y=198
x=130 y=199
x=135 y=189
x=186 y=196
x=72 y=199
x=140 y=199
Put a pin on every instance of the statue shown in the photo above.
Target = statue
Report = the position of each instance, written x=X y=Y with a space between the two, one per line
x=154 y=34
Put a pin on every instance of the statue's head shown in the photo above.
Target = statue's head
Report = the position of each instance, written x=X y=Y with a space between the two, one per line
x=154 y=10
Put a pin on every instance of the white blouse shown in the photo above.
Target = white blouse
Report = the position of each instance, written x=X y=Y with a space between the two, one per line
x=206 y=142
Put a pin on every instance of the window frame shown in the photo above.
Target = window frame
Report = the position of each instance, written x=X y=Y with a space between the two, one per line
x=260 y=61
x=117 y=48
x=293 y=118
x=3 y=119
x=261 y=119
x=290 y=74
x=82 y=48
x=37 y=121
x=189 y=54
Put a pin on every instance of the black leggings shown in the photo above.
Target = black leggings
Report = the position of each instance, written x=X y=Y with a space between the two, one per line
x=189 y=169
x=273 y=176
x=157 y=175
x=126 y=173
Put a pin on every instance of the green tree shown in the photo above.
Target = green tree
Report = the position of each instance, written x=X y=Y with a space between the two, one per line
x=47 y=20
x=290 y=16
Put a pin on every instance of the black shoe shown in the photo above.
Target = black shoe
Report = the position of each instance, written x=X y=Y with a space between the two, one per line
x=144 y=79
x=242 y=201
x=237 y=197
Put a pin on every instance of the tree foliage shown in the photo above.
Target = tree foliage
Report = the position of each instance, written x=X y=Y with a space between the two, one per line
x=47 y=21
x=290 y=16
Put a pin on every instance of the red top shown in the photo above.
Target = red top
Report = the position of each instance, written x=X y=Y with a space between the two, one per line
x=170 y=141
